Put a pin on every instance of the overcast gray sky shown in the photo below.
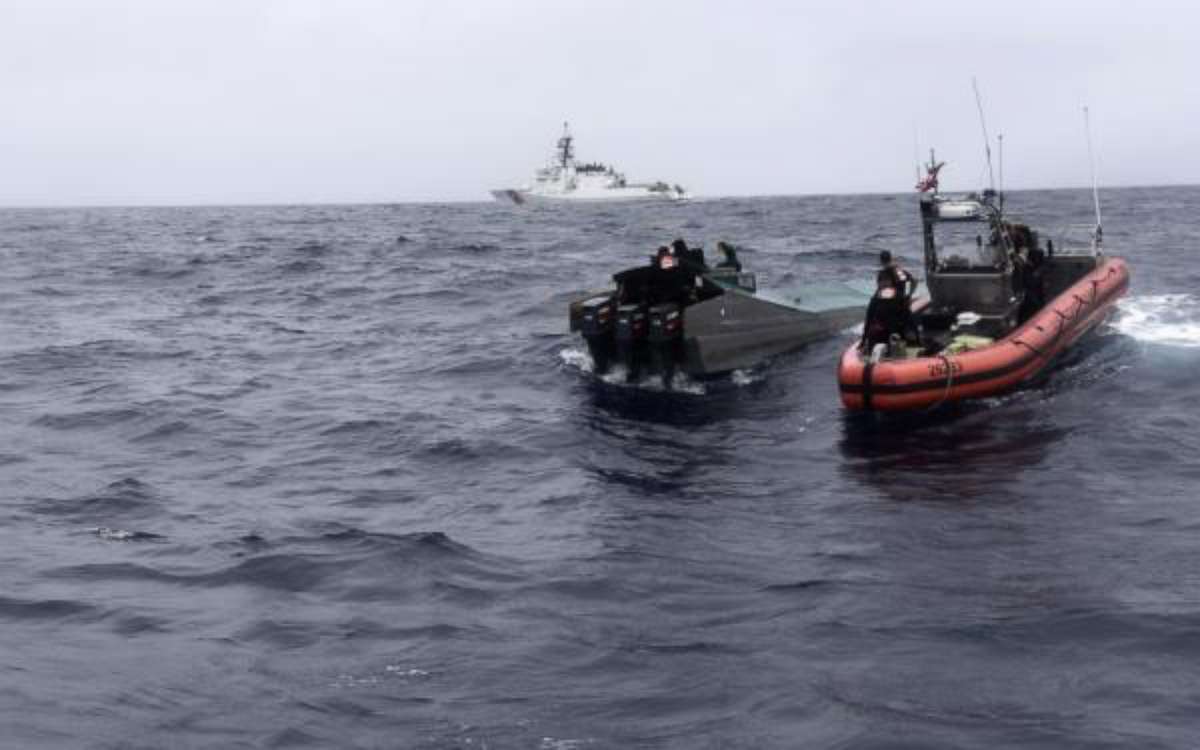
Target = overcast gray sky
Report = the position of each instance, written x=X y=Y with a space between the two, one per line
x=223 y=101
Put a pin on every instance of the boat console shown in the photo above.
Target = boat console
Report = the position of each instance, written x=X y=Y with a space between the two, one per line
x=969 y=268
x=978 y=263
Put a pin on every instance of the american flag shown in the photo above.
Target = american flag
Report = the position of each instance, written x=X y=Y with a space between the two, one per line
x=930 y=181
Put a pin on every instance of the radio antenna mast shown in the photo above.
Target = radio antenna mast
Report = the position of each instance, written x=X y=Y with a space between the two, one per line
x=987 y=146
x=1000 y=158
x=1087 y=126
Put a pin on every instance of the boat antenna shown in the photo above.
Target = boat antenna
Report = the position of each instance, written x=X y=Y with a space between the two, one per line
x=565 y=153
x=1087 y=127
x=987 y=146
x=1000 y=160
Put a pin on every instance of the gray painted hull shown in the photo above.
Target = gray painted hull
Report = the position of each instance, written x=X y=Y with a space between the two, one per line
x=739 y=330
x=734 y=330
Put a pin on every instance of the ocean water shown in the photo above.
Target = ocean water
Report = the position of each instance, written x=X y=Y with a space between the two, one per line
x=337 y=476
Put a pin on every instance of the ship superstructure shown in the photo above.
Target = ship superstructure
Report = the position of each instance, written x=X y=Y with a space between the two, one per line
x=565 y=180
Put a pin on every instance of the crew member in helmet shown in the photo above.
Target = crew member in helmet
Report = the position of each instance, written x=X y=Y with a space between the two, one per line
x=902 y=281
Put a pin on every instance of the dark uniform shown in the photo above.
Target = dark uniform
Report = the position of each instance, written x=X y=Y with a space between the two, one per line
x=674 y=283
x=901 y=280
x=886 y=315
x=691 y=259
x=1033 y=283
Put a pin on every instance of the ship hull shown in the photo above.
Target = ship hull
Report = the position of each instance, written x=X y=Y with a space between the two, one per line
x=615 y=195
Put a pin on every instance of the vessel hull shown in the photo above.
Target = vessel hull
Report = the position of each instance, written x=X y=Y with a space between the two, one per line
x=617 y=195
x=737 y=329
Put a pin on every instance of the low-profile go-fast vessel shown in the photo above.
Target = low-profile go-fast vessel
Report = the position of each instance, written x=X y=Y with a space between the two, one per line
x=1001 y=307
x=566 y=180
x=701 y=320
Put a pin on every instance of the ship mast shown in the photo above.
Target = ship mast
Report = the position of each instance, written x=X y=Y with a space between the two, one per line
x=1099 y=233
x=933 y=170
x=930 y=180
x=566 y=153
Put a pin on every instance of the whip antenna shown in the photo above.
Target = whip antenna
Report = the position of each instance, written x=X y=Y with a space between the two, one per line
x=1000 y=158
x=987 y=146
x=1087 y=127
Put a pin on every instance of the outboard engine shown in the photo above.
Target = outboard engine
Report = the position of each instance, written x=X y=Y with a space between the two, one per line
x=597 y=318
x=666 y=339
x=631 y=338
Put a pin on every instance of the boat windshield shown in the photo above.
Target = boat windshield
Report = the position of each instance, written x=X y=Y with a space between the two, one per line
x=971 y=243
x=1074 y=239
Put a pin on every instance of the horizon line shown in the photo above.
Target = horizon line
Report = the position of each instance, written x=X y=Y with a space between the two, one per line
x=467 y=202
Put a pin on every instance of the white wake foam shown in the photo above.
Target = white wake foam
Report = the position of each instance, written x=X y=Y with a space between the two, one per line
x=1168 y=319
x=577 y=359
x=743 y=378
x=681 y=383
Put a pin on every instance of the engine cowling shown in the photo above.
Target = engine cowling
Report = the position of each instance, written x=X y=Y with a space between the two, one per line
x=666 y=323
x=597 y=316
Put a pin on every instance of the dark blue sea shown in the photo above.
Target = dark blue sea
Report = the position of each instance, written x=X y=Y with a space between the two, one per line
x=338 y=477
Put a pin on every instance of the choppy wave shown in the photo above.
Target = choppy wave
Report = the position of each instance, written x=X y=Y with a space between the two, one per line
x=1167 y=319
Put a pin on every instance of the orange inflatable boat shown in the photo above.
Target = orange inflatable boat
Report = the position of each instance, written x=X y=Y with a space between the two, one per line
x=959 y=373
x=1001 y=305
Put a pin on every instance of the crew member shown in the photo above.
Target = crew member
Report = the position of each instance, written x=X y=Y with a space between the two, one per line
x=887 y=313
x=671 y=282
x=728 y=256
x=902 y=281
x=1033 y=282
x=692 y=259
